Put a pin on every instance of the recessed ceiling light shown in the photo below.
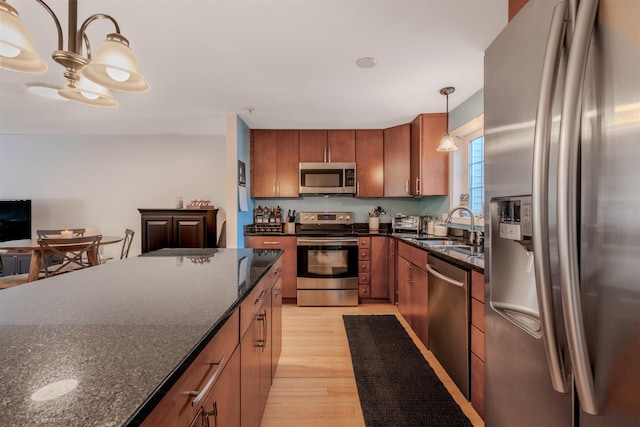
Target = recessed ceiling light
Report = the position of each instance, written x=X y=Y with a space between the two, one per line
x=366 y=62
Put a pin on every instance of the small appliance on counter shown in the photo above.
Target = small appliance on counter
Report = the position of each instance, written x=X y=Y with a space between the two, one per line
x=406 y=223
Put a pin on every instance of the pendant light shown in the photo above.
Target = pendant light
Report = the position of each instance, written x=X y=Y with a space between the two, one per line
x=447 y=142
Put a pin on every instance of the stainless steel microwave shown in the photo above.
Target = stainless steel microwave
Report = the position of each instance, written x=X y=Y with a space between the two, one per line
x=327 y=178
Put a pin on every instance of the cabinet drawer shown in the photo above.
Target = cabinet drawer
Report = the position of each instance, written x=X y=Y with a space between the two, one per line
x=477 y=314
x=364 y=279
x=364 y=254
x=477 y=285
x=270 y=242
x=252 y=304
x=363 y=267
x=417 y=256
x=364 y=291
x=477 y=342
x=176 y=407
x=364 y=242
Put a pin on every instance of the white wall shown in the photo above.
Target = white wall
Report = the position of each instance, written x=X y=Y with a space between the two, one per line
x=101 y=181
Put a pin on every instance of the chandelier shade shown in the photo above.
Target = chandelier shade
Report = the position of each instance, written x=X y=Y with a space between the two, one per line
x=116 y=66
x=17 y=52
x=86 y=92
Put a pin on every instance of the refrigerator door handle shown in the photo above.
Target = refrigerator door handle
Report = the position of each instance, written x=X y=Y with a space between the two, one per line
x=540 y=196
x=567 y=209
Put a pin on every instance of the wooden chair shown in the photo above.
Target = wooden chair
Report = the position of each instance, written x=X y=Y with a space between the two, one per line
x=76 y=232
x=76 y=253
x=126 y=244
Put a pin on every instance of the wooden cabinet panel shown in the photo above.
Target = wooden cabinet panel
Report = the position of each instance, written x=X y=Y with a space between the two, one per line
x=415 y=255
x=364 y=291
x=262 y=169
x=364 y=279
x=429 y=168
x=397 y=161
x=363 y=267
x=188 y=232
x=413 y=297
x=364 y=254
x=250 y=375
x=342 y=145
x=222 y=407
x=477 y=314
x=369 y=163
x=379 y=267
x=313 y=145
x=477 y=342
x=176 y=408
x=477 y=384
x=274 y=163
x=159 y=232
x=276 y=326
x=393 y=268
x=514 y=7
x=289 y=259
x=287 y=146
x=477 y=285
x=364 y=242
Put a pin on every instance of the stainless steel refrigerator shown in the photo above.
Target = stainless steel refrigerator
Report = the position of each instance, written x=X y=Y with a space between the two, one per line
x=562 y=177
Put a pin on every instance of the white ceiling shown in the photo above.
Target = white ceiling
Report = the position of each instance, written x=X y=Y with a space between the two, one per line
x=293 y=61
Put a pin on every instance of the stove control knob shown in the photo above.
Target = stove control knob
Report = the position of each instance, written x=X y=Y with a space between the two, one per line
x=341 y=217
x=348 y=217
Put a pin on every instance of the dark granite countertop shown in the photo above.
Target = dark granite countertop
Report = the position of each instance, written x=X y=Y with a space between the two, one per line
x=123 y=331
x=460 y=256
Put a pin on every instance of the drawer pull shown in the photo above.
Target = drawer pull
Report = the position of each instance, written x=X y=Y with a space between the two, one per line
x=214 y=413
x=272 y=243
x=262 y=297
x=201 y=394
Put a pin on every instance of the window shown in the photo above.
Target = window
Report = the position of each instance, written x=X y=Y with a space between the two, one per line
x=467 y=171
x=476 y=174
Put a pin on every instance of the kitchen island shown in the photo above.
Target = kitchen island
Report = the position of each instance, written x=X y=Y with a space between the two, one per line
x=116 y=336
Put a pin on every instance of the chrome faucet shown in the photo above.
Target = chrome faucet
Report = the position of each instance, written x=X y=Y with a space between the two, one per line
x=463 y=208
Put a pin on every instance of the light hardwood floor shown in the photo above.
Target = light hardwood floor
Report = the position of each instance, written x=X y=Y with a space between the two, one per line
x=314 y=384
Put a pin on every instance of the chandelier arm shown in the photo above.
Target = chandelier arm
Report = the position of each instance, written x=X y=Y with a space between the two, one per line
x=57 y=22
x=87 y=46
x=81 y=32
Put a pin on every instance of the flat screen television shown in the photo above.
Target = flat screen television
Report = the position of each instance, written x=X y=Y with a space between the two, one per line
x=15 y=219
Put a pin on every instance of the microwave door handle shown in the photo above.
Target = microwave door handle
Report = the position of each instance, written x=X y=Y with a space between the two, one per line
x=540 y=196
x=567 y=195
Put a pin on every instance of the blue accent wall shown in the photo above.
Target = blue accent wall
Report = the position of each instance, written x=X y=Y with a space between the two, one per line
x=244 y=150
x=468 y=110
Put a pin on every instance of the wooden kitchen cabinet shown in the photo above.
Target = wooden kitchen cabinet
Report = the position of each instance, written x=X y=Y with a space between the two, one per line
x=413 y=289
x=392 y=263
x=274 y=163
x=364 y=267
x=379 y=267
x=257 y=346
x=429 y=168
x=370 y=163
x=289 y=260
x=397 y=161
x=334 y=145
x=477 y=342
x=177 y=407
x=178 y=228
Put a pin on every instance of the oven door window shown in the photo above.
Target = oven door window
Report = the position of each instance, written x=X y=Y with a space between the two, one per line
x=327 y=262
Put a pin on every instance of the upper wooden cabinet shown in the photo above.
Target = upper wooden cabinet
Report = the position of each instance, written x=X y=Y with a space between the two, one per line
x=274 y=163
x=429 y=168
x=397 y=161
x=334 y=145
x=369 y=163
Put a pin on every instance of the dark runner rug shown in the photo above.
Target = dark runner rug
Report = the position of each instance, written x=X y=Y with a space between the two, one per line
x=396 y=385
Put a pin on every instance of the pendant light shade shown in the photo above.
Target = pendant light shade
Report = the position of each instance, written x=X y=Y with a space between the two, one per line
x=447 y=143
x=86 y=92
x=116 y=67
x=17 y=52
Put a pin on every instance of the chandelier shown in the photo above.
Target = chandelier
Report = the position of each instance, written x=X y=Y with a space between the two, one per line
x=89 y=77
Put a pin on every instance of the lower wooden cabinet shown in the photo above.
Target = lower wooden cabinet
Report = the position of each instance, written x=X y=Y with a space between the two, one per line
x=178 y=228
x=180 y=405
x=413 y=289
x=373 y=270
x=289 y=260
x=477 y=342
x=228 y=383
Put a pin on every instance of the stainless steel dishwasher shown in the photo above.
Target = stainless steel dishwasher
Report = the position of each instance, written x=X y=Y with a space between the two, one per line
x=448 y=318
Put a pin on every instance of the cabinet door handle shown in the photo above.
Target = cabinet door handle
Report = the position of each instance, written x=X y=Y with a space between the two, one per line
x=272 y=243
x=275 y=186
x=261 y=298
x=417 y=185
x=329 y=154
x=265 y=330
x=410 y=274
x=358 y=189
x=406 y=187
x=324 y=154
x=201 y=394
x=214 y=412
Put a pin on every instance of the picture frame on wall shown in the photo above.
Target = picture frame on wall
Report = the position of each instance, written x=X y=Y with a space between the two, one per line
x=242 y=175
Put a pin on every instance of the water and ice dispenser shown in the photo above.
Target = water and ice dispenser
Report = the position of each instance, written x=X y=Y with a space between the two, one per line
x=512 y=280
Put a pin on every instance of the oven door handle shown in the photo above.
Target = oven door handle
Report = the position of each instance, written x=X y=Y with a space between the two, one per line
x=327 y=242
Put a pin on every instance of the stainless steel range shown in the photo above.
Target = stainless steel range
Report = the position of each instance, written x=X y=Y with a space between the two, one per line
x=327 y=259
